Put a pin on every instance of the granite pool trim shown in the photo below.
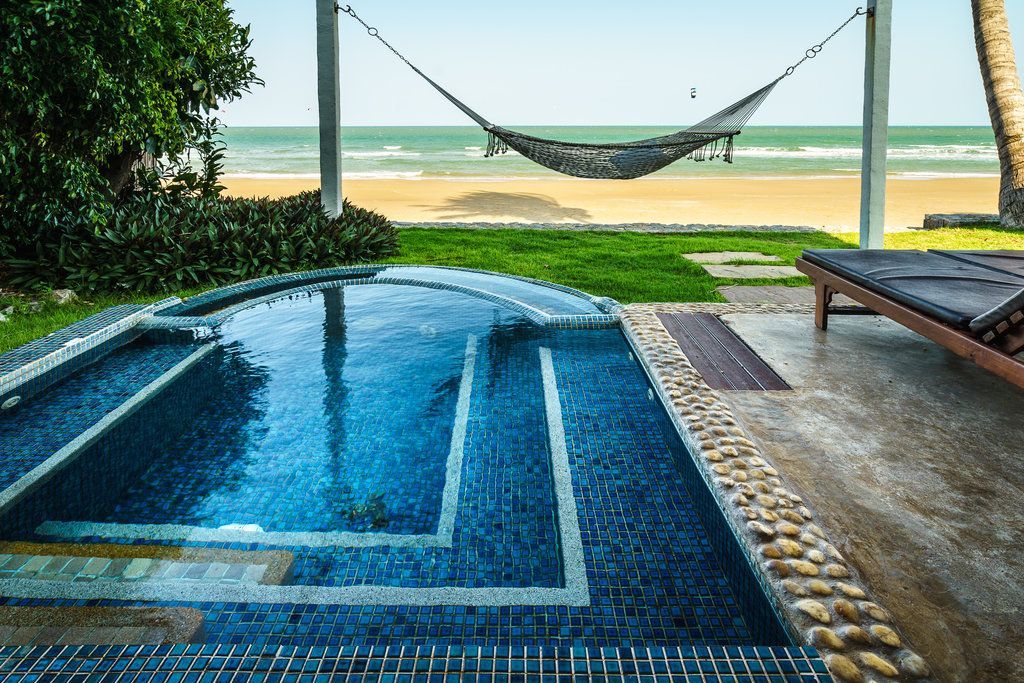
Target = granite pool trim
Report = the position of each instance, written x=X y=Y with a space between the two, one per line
x=574 y=593
x=535 y=315
x=42 y=472
x=442 y=538
x=290 y=280
x=806 y=578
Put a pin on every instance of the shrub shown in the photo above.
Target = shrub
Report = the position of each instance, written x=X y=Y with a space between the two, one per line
x=87 y=87
x=163 y=242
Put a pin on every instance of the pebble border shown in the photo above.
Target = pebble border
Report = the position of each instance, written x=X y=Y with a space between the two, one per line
x=812 y=585
x=653 y=228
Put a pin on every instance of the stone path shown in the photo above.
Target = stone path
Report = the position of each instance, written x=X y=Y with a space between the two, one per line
x=716 y=264
x=726 y=256
x=752 y=272
x=776 y=294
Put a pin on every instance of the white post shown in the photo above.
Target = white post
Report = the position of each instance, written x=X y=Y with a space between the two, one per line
x=328 y=60
x=876 y=123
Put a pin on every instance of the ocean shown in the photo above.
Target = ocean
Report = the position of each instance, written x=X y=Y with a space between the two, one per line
x=450 y=152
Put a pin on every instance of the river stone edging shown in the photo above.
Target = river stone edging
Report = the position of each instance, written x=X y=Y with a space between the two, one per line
x=656 y=228
x=819 y=593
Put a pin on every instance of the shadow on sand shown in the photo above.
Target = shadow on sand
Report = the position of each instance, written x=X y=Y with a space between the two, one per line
x=518 y=205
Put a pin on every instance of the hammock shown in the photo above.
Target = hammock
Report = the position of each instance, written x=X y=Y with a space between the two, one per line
x=711 y=138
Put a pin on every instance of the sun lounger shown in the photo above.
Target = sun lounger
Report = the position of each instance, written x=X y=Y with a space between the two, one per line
x=971 y=302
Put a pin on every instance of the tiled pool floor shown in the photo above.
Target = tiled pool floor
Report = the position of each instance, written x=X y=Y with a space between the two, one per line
x=659 y=570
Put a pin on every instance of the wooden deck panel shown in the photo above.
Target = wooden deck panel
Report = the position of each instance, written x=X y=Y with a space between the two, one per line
x=725 y=362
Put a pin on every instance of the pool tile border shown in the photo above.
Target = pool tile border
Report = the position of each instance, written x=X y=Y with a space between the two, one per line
x=409 y=664
x=804 y=575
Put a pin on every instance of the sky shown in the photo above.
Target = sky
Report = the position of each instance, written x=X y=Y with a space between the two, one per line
x=620 y=62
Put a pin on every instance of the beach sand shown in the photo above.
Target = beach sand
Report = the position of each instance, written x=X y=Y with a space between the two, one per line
x=828 y=203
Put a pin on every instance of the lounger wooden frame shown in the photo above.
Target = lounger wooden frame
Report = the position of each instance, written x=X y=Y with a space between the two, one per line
x=996 y=356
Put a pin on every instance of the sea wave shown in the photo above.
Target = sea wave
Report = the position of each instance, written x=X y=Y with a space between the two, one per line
x=270 y=176
x=382 y=175
x=378 y=154
x=915 y=152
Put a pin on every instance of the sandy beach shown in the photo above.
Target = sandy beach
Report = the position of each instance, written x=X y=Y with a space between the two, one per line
x=828 y=203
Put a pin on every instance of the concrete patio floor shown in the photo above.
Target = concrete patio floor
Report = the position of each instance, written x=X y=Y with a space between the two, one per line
x=913 y=461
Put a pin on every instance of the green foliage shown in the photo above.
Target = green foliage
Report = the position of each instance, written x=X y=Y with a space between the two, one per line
x=87 y=87
x=167 y=242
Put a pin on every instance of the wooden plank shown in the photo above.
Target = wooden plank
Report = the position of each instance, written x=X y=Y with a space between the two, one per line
x=761 y=372
x=719 y=355
x=711 y=373
x=716 y=353
x=960 y=343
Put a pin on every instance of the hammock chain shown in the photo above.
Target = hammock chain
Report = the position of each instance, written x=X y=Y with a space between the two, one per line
x=347 y=9
x=814 y=50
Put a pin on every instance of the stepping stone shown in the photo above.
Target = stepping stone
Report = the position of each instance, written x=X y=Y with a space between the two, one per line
x=47 y=626
x=726 y=256
x=752 y=272
x=96 y=562
x=776 y=294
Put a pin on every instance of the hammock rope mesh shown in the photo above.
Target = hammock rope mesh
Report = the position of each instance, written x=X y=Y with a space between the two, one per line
x=710 y=139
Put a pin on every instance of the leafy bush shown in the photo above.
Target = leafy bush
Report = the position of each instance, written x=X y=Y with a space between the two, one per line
x=86 y=88
x=165 y=242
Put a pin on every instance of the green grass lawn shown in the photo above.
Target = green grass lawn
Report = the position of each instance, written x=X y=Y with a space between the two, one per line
x=628 y=267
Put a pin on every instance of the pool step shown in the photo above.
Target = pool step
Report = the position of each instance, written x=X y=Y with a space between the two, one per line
x=96 y=562
x=47 y=626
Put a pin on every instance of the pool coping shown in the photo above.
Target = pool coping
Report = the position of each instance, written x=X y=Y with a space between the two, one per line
x=709 y=664
x=790 y=555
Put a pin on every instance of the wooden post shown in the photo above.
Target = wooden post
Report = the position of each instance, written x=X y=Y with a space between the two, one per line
x=328 y=60
x=876 y=123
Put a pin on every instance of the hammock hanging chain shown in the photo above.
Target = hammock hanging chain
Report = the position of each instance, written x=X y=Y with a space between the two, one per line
x=347 y=9
x=814 y=50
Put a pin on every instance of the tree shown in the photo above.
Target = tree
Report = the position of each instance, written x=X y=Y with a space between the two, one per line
x=86 y=88
x=1005 y=103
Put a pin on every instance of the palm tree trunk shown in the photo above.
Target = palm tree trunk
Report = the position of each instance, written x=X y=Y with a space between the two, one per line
x=1005 y=103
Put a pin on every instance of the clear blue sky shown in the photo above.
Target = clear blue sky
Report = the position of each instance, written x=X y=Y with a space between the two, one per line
x=613 y=62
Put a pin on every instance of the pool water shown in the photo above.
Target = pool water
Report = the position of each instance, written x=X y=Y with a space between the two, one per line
x=443 y=469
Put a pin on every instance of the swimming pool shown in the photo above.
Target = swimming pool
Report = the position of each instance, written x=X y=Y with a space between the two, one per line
x=440 y=466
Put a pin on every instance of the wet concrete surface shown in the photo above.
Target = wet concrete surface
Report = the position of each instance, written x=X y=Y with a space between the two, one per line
x=913 y=460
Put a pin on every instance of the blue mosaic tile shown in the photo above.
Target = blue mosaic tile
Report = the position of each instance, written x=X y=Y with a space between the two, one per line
x=191 y=663
x=39 y=426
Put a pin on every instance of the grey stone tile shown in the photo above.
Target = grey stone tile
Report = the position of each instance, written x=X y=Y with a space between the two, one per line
x=137 y=568
x=751 y=272
x=726 y=256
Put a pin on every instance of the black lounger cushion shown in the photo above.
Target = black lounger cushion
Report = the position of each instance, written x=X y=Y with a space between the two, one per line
x=1007 y=261
x=986 y=321
x=950 y=290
